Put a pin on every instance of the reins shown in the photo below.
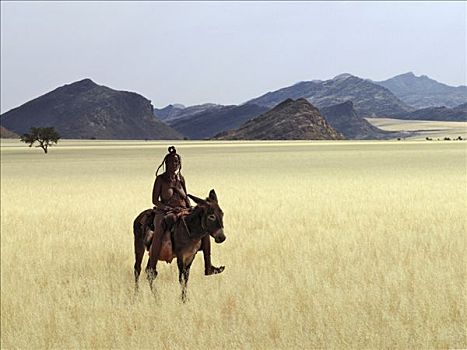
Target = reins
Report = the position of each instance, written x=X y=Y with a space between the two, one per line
x=188 y=232
x=203 y=226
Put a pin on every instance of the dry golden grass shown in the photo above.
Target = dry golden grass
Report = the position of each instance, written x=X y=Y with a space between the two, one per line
x=329 y=245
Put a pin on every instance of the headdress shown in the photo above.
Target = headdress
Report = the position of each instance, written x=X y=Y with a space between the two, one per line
x=172 y=153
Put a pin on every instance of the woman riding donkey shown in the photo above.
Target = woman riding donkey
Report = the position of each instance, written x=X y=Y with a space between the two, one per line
x=169 y=196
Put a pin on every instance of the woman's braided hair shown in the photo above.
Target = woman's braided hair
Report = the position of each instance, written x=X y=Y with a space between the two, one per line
x=172 y=153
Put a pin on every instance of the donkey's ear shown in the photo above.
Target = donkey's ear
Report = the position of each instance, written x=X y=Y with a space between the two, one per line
x=213 y=195
x=196 y=199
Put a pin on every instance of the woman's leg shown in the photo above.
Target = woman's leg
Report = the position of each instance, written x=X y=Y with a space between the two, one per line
x=156 y=244
x=208 y=268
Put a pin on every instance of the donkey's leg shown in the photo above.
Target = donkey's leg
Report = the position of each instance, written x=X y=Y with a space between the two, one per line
x=139 y=253
x=153 y=257
x=139 y=249
x=186 y=276
x=183 y=275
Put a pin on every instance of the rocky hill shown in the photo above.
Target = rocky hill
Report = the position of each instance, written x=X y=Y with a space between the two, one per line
x=86 y=110
x=423 y=92
x=344 y=119
x=290 y=120
x=7 y=134
x=369 y=99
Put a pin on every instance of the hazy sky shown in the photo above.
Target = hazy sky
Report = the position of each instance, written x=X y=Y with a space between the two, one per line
x=223 y=52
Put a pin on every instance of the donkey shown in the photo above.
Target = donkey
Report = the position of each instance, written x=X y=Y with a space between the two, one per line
x=185 y=238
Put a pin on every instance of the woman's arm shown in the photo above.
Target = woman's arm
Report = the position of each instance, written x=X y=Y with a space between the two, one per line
x=156 y=193
x=187 y=200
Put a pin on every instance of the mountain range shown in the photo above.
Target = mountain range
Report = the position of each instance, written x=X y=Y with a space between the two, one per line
x=369 y=99
x=423 y=92
x=207 y=120
x=85 y=109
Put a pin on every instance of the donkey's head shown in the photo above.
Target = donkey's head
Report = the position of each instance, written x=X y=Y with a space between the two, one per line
x=212 y=216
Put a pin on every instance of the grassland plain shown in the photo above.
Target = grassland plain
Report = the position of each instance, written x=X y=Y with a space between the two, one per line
x=329 y=245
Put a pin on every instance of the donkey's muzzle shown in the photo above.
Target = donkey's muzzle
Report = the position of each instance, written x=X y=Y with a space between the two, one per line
x=219 y=236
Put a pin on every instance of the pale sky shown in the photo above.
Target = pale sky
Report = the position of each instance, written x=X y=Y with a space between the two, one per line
x=223 y=52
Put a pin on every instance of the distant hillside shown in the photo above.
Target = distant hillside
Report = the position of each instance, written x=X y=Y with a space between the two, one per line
x=458 y=114
x=369 y=99
x=86 y=110
x=7 y=134
x=290 y=120
x=344 y=119
x=212 y=120
x=423 y=92
x=167 y=112
x=173 y=112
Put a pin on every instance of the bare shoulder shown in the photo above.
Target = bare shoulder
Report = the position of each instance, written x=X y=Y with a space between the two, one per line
x=162 y=177
x=159 y=180
x=182 y=180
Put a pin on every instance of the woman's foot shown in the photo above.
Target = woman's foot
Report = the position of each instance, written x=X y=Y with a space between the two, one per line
x=212 y=270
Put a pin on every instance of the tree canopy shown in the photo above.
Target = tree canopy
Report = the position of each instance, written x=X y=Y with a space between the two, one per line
x=44 y=136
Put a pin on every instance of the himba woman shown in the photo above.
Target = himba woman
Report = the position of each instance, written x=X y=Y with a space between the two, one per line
x=169 y=197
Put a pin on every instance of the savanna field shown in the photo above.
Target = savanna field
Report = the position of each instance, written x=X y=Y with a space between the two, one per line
x=341 y=244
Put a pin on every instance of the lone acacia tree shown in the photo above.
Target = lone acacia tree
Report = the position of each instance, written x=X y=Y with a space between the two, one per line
x=45 y=136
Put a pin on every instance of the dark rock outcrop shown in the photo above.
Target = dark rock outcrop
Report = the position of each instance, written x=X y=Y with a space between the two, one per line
x=84 y=110
x=290 y=120
x=344 y=119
